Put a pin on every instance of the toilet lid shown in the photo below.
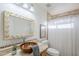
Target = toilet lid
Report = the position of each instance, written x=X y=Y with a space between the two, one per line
x=52 y=51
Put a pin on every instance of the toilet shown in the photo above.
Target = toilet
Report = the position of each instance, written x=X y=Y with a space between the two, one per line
x=52 y=52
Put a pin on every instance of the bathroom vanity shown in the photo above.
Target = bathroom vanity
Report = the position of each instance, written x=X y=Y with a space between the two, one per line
x=43 y=45
x=17 y=27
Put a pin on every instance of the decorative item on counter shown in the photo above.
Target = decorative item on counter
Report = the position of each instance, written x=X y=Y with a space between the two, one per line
x=14 y=50
x=35 y=49
x=27 y=47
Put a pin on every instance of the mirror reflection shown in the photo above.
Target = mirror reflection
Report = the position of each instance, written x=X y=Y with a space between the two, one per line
x=17 y=27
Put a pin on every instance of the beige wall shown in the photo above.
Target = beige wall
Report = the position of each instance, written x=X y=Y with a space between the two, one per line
x=57 y=8
x=41 y=16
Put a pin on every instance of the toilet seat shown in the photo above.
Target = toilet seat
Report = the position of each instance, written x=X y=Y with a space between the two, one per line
x=52 y=52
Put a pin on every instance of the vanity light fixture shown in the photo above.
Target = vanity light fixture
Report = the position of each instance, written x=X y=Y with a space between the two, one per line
x=31 y=8
x=25 y=6
x=28 y=6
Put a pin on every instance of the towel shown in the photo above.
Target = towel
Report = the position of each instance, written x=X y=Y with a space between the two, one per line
x=35 y=49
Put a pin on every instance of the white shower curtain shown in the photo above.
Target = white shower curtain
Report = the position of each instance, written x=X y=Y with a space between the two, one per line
x=63 y=35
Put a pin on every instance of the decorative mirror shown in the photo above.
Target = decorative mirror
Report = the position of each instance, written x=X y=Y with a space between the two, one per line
x=16 y=26
x=43 y=33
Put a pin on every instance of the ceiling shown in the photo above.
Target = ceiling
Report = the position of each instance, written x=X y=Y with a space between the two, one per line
x=26 y=6
x=56 y=8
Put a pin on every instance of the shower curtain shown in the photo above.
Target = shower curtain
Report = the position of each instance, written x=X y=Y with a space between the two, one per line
x=63 y=35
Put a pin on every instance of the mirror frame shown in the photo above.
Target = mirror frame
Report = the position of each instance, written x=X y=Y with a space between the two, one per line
x=6 y=15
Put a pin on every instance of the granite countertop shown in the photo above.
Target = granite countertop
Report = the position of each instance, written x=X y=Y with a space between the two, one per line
x=19 y=53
